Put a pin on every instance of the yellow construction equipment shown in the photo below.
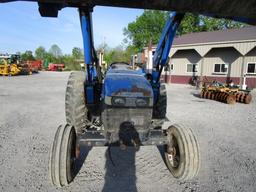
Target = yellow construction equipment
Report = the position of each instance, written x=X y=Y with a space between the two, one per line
x=8 y=69
x=14 y=69
x=4 y=67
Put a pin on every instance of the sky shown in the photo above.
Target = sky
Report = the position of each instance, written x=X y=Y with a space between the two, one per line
x=22 y=28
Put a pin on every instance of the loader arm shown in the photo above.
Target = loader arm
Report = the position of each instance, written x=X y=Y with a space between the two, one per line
x=161 y=55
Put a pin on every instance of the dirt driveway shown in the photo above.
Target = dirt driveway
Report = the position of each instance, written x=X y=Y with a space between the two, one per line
x=31 y=108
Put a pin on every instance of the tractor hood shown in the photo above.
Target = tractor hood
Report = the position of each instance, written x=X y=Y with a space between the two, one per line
x=127 y=83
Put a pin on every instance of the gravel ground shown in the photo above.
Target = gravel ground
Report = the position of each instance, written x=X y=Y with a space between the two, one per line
x=31 y=108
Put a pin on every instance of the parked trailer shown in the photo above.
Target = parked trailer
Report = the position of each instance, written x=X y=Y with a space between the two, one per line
x=35 y=65
x=56 y=67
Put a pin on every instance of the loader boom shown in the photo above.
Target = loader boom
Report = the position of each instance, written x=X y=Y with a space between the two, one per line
x=161 y=55
x=93 y=74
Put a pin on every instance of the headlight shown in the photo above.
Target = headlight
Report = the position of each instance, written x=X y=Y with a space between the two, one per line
x=130 y=101
x=118 y=101
x=141 y=102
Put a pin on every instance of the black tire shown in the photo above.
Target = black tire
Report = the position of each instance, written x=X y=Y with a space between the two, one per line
x=76 y=111
x=159 y=111
x=62 y=156
x=182 y=155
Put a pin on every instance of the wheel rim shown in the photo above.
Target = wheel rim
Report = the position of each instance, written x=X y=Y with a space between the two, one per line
x=173 y=153
x=71 y=160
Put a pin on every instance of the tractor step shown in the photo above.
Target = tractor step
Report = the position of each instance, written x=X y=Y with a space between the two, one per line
x=97 y=138
x=156 y=137
x=92 y=138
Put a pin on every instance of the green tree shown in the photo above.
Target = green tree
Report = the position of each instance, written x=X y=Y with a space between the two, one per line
x=213 y=24
x=70 y=62
x=148 y=27
x=40 y=53
x=55 y=51
x=190 y=23
x=77 y=53
x=117 y=54
x=28 y=55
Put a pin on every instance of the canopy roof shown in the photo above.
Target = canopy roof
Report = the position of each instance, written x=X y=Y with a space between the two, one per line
x=245 y=10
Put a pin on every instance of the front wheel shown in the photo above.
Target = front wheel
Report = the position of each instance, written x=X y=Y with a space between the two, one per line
x=62 y=156
x=182 y=153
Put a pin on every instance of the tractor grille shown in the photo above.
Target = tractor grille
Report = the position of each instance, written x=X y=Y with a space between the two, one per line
x=113 y=117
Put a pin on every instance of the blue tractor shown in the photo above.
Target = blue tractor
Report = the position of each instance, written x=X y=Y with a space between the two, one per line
x=127 y=107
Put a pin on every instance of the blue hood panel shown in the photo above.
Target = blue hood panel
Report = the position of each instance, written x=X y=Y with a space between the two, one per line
x=126 y=83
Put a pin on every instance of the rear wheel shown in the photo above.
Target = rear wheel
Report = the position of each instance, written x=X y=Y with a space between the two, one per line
x=159 y=111
x=62 y=156
x=182 y=153
x=76 y=111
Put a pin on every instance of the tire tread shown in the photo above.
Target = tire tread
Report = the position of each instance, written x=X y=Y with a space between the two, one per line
x=75 y=108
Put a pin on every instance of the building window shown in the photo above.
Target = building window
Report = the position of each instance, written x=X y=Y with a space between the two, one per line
x=192 y=67
x=220 y=68
x=171 y=67
x=251 y=68
x=168 y=67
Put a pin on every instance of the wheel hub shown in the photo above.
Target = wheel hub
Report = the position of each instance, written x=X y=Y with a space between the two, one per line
x=173 y=152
